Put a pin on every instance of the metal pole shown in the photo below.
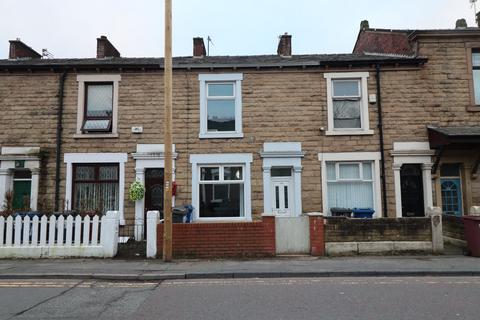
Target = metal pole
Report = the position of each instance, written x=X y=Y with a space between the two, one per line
x=167 y=203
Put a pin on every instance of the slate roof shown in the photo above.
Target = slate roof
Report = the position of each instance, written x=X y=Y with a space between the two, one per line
x=213 y=61
x=454 y=137
x=457 y=131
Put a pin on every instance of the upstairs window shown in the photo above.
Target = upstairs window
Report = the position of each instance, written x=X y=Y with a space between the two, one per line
x=220 y=106
x=347 y=107
x=476 y=76
x=347 y=103
x=98 y=107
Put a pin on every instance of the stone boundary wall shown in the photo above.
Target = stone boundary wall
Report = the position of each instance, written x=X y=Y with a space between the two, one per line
x=454 y=231
x=344 y=236
x=453 y=227
x=383 y=229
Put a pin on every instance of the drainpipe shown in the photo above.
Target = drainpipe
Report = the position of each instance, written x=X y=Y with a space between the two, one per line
x=59 y=139
x=382 y=143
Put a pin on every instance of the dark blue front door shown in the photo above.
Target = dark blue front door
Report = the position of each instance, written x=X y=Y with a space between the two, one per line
x=451 y=196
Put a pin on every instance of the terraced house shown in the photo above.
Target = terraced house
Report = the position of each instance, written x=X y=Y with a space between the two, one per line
x=392 y=126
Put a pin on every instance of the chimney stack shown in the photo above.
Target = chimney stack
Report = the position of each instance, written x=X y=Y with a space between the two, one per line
x=364 y=25
x=19 y=50
x=461 y=23
x=199 y=48
x=285 y=45
x=105 y=48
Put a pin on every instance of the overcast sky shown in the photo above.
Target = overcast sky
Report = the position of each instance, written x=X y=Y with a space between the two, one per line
x=68 y=28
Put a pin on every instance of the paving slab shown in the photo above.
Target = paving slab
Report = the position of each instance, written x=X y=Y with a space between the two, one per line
x=297 y=266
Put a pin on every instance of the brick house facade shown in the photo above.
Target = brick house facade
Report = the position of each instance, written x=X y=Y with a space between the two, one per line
x=291 y=133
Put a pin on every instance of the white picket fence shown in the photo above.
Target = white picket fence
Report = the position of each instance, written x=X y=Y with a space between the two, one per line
x=59 y=237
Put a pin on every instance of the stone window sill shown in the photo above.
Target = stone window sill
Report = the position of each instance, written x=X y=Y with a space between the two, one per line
x=474 y=108
x=350 y=133
x=220 y=135
x=95 y=136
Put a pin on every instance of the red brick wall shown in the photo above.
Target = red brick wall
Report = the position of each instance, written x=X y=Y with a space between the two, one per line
x=217 y=240
x=317 y=236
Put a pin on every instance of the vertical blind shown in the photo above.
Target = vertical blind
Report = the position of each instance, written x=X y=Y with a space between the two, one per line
x=350 y=185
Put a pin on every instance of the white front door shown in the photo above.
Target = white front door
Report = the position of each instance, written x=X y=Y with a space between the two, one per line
x=282 y=201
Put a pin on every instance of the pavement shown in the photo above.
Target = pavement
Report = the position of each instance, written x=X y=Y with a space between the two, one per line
x=280 y=267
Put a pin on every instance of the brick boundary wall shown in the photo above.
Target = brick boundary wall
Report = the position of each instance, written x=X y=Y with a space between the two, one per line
x=383 y=229
x=317 y=236
x=218 y=240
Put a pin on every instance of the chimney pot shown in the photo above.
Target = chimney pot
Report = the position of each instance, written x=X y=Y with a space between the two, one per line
x=105 y=48
x=285 y=45
x=199 y=48
x=19 y=50
x=364 y=25
x=461 y=23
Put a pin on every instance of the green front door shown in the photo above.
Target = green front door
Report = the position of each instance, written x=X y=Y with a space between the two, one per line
x=21 y=194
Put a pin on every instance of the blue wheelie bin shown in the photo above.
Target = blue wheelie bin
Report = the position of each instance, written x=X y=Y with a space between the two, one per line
x=365 y=213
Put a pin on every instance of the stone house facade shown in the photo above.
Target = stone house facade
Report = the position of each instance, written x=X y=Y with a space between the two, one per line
x=431 y=122
x=282 y=134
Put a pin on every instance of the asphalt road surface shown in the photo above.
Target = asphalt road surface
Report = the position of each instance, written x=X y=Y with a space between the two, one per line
x=320 y=298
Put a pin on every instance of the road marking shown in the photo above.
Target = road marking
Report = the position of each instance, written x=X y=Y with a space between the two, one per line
x=316 y=281
x=92 y=284
x=68 y=284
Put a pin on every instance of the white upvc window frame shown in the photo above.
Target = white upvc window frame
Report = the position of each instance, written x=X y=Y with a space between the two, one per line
x=107 y=78
x=352 y=157
x=222 y=160
x=221 y=173
x=96 y=158
x=221 y=176
x=360 y=168
x=224 y=78
x=362 y=77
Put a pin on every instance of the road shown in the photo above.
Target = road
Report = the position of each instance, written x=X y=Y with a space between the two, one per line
x=320 y=298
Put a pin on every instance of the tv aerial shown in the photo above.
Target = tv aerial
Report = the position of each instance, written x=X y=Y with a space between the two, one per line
x=209 y=41
x=473 y=3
